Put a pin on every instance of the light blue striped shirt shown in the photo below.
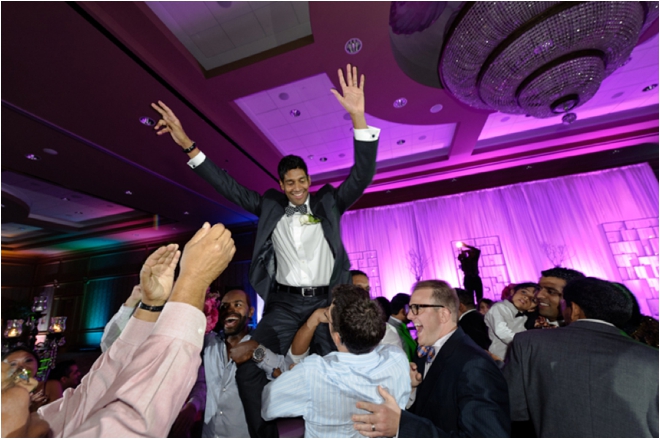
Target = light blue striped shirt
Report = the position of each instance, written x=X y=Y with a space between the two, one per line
x=324 y=390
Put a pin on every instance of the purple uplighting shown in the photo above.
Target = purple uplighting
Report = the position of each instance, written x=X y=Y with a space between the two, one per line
x=603 y=220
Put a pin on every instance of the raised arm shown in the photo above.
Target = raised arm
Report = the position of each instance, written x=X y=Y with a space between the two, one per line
x=205 y=168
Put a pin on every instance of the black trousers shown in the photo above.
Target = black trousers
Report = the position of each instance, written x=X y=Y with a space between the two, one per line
x=472 y=284
x=283 y=315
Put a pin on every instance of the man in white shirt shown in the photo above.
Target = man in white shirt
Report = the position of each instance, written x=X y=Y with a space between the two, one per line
x=587 y=379
x=298 y=254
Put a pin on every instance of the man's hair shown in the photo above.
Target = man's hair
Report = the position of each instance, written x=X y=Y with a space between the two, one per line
x=567 y=274
x=358 y=320
x=488 y=302
x=465 y=297
x=290 y=162
x=238 y=288
x=399 y=301
x=385 y=306
x=358 y=273
x=61 y=370
x=599 y=299
x=443 y=293
x=22 y=348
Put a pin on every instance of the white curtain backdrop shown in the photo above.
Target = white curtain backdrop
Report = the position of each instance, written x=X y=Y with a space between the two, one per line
x=565 y=211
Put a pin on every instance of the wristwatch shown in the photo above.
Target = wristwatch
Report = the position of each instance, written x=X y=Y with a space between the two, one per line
x=259 y=354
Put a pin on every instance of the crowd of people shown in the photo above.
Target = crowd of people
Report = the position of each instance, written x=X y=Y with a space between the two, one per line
x=558 y=357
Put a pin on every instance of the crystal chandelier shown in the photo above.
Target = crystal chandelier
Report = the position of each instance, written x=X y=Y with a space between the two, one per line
x=538 y=58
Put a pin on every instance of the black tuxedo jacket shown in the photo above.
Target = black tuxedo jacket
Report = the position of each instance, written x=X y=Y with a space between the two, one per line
x=328 y=203
x=473 y=325
x=463 y=394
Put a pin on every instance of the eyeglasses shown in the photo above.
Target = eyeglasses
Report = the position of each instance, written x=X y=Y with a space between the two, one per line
x=415 y=307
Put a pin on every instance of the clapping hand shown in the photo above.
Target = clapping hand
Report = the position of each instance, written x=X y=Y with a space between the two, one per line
x=157 y=275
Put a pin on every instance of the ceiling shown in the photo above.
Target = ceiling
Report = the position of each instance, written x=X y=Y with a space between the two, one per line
x=250 y=82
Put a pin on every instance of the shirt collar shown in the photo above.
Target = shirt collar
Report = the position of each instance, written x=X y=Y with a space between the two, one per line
x=396 y=320
x=441 y=342
x=466 y=312
x=309 y=209
x=596 y=321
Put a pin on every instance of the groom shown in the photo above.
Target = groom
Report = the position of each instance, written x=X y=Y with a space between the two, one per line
x=298 y=254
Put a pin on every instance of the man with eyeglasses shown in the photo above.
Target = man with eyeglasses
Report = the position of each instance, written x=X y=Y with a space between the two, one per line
x=457 y=388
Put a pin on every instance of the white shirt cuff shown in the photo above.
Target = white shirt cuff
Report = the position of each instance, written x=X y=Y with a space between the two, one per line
x=197 y=160
x=369 y=134
x=298 y=358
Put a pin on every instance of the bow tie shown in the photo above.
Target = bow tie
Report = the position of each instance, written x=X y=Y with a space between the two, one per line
x=290 y=210
x=426 y=351
x=520 y=314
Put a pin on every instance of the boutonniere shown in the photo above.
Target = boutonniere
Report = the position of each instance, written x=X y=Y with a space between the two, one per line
x=308 y=218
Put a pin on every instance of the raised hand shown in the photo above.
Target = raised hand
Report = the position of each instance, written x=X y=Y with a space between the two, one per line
x=157 y=275
x=352 y=94
x=208 y=253
x=383 y=421
x=169 y=123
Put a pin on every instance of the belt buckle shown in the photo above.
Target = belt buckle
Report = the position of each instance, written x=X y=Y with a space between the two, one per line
x=304 y=290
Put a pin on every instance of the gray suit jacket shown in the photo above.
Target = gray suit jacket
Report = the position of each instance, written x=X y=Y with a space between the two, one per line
x=585 y=380
x=328 y=204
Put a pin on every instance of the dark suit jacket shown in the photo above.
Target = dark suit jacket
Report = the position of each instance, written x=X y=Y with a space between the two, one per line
x=585 y=380
x=328 y=204
x=473 y=325
x=463 y=394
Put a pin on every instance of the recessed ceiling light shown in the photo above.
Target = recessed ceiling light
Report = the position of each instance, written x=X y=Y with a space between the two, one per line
x=147 y=121
x=650 y=87
x=568 y=118
x=323 y=159
x=2 y=205
x=454 y=179
x=33 y=157
x=78 y=212
x=136 y=234
x=186 y=213
x=528 y=167
x=616 y=151
x=294 y=113
x=400 y=142
x=50 y=151
x=353 y=46
x=400 y=103
x=342 y=155
x=311 y=156
x=65 y=199
x=504 y=119
x=617 y=95
x=128 y=193
x=422 y=137
x=436 y=108
x=388 y=191
x=283 y=96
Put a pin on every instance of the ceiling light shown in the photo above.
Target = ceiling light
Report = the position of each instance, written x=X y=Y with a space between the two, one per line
x=650 y=87
x=311 y=156
x=509 y=64
x=147 y=121
x=2 y=205
x=528 y=167
x=400 y=142
x=422 y=137
x=323 y=159
x=454 y=180
x=353 y=46
x=78 y=212
x=504 y=119
x=33 y=157
x=294 y=113
x=568 y=118
x=283 y=96
x=617 y=95
x=186 y=213
x=128 y=193
x=616 y=151
x=50 y=151
x=400 y=103
x=65 y=199
x=436 y=108
x=342 y=155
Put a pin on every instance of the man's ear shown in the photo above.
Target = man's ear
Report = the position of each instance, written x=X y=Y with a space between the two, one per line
x=336 y=338
x=309 y=180
x=251 y=312
x=281 y=185
x=576 y=312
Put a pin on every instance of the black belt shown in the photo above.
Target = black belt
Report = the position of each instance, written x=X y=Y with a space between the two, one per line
x=304 y=291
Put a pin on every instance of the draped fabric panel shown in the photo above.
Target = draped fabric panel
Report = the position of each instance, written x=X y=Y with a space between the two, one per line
x=566 y=211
